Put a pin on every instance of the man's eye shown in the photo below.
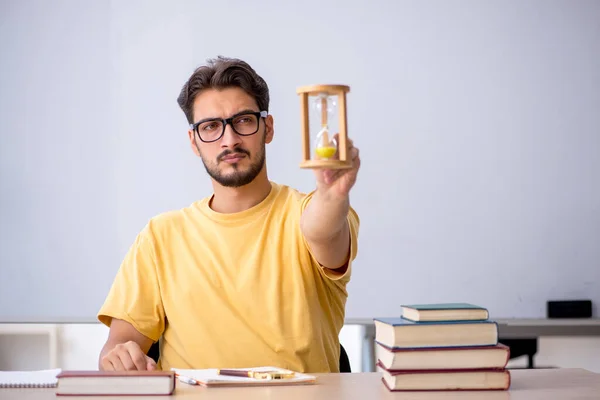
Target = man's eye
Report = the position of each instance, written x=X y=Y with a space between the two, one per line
x=210 y=126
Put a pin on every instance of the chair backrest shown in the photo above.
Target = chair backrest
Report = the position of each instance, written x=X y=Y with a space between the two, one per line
x=344 y=360
x=154 y=353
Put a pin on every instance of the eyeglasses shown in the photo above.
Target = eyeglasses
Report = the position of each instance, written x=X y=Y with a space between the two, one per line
x=245 y=123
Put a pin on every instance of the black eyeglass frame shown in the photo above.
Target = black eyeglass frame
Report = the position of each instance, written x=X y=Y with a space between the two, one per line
x=226 y=121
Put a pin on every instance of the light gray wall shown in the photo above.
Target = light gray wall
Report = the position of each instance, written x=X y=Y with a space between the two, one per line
x=478 y=125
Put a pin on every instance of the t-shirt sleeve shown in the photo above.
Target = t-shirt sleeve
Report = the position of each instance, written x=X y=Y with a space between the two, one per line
x=343 y=274
x=135 y=293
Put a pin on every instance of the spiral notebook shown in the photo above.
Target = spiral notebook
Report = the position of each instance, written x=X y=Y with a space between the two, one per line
x=29 y=379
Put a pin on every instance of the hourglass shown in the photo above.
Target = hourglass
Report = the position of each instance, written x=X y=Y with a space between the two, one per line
x=323 y=111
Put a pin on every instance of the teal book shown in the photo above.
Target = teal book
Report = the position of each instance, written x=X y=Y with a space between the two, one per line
x=402 y=333
x=444 y=312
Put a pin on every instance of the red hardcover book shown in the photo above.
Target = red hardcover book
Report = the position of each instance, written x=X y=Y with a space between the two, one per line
x=107 y=383
x=445 y=380
x=451 y=358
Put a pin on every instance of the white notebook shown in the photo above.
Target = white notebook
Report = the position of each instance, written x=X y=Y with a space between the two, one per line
x=211 y=377
x=29 y=379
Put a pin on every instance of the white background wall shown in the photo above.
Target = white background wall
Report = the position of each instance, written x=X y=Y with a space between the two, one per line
x=477 y=123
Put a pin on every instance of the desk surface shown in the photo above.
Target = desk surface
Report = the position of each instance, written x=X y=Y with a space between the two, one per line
x=552 y=384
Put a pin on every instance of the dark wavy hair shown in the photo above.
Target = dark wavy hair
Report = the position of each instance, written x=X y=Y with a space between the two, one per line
x=220 y=73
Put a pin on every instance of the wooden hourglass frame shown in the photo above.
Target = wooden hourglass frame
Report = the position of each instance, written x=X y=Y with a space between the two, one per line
x=326 y=154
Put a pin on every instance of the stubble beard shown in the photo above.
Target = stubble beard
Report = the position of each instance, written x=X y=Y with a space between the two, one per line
x=239 y=177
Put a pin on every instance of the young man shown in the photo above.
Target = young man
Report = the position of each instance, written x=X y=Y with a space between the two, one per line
x=253 y=275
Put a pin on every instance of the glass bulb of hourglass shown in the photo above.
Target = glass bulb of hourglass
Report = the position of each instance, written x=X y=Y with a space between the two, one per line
x=325 y=147
x=325 y=110
x=331 y=104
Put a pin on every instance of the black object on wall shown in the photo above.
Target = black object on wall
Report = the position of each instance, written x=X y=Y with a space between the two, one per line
x=569 y=309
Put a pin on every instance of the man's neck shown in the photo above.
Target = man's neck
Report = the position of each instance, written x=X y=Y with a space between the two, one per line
x=229 y=200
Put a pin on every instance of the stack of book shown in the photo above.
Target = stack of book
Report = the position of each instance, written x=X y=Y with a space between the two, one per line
x=441 y=347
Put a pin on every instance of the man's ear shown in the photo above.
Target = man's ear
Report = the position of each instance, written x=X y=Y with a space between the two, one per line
x=269 y=130
x=192 y=137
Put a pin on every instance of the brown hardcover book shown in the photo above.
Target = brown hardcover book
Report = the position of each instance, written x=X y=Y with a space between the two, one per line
x=106 y=383
x=437 y=358
x=445 y=380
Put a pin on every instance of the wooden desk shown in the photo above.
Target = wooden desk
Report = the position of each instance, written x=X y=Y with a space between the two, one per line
x=555 y=384
x=508 y=328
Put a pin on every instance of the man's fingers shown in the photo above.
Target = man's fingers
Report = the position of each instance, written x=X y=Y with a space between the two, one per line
x=116 y=362
x=349 y=142
x=138 y=358
x=333 y=175
x=127 y=361
x=150 y=364
x=328 y=174
x=106 y=364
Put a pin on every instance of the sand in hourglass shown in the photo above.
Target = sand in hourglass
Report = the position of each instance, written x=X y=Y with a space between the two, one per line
x=325 y=149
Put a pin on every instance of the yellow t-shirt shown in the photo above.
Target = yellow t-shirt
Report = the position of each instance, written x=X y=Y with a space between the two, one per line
x=233 y=290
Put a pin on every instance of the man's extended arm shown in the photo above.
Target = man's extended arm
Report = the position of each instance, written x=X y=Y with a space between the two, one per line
x=325 y=227
x=324 y=221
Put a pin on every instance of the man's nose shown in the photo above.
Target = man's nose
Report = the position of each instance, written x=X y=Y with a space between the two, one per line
x=230 y=138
